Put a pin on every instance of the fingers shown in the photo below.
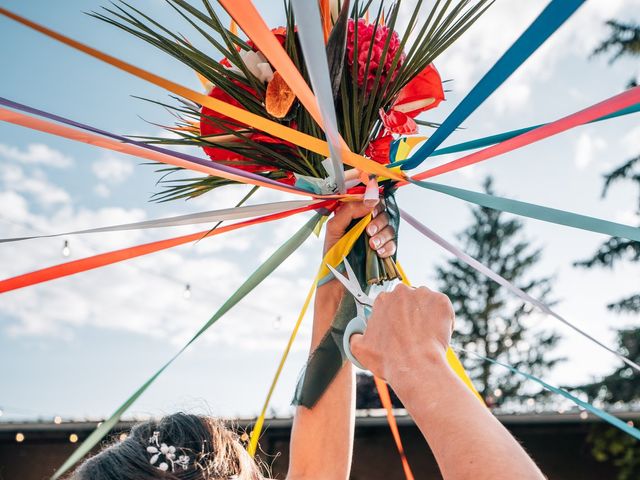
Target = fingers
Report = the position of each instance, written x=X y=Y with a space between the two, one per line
x=345 y=214
x=383 y=242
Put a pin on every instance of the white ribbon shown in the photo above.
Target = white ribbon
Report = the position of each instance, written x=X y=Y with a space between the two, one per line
x=473 y=263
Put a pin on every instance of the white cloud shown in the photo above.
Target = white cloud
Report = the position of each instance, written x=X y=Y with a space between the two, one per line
x=587 y=147
x=102 y=190
x=35 y=184
x=144 y=295
x=36 y=154
x=112 y=169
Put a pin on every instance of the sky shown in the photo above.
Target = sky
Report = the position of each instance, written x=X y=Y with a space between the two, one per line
x=79 y=346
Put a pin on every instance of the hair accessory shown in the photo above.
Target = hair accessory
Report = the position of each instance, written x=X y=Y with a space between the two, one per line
x=165 y=454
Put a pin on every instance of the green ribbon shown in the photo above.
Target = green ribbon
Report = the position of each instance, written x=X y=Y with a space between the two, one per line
x=262 y=272
x=501 y=137
x=538 y=212
x=607 y=417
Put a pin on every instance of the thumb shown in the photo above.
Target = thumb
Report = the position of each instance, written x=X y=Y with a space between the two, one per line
x=356 y=342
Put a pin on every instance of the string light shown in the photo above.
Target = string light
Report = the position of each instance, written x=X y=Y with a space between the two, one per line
x=187 y=292
x=19 y=437
x=630 y=423
x=584 y=415
x=530 y=402
x=497 y=392
x=277 y=322
x=66 y=251
x=123 y=437
x=57 y=420
x=73 y=438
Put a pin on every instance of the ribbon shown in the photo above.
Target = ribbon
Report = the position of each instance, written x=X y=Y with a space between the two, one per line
x=475 y=264
x=385 y=400
x=149 y=152
x=333 y=257
x=607 y=417
x=551 y=18
x=262 y=272
x=250 y=21
x=257 y=428
x=501 y=137
x=311 y=35
x=552 y=215
x=612 y=105
x=222 y=215
x=109 y=258
x=236 y=172
x=239 y=114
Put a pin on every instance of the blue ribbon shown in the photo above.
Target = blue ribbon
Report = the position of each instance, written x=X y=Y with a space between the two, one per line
x=551 y=18
x=531 y=210
x=607 y=417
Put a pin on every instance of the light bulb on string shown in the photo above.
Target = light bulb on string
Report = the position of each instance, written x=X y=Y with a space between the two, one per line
x=187 y=292
x=66 y=251
x=277 y=322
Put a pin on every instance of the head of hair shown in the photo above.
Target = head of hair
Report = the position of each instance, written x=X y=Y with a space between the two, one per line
x=214 y=451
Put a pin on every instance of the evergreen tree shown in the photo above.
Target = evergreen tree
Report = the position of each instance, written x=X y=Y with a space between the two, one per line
x=623 y=384
x=490 y=320
x=624 y=39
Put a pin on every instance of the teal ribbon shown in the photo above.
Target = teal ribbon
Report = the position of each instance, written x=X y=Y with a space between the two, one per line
x=607 y=417
x=501 y=137
x=262 y=272
x=531 y=210
x=551 y=18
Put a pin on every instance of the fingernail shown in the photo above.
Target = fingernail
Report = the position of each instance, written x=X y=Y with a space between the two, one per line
x=381 y=251
x=376 y=242
x=372 y=229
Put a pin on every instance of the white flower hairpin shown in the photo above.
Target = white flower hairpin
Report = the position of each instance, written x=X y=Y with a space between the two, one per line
x=163 y=455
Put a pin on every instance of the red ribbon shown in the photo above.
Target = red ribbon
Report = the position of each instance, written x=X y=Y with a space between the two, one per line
x=104 y=259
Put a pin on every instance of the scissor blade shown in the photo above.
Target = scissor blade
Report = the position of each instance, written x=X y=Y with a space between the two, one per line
x=347 y=282
x=351 y=275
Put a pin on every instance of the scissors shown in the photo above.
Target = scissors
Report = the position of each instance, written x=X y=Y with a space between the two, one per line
x=364 y=305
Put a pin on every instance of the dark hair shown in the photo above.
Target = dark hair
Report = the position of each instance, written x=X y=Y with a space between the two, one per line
x=214 y=453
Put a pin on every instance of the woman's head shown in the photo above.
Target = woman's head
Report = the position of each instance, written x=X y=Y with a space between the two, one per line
x=178 y=447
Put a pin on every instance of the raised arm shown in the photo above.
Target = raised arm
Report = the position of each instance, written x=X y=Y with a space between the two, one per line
x=405 y=343
x=322 y=437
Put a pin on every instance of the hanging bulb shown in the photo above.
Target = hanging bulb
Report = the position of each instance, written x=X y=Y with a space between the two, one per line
x=66 y=251
x=277 y=322
x=187 y=292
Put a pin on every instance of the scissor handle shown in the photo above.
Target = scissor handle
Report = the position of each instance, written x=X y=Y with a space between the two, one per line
x=355 y=325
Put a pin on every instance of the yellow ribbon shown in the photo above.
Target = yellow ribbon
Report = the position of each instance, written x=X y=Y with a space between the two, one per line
x=334 y=257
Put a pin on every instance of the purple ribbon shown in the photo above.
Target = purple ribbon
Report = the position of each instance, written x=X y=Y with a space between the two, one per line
x=184 y=156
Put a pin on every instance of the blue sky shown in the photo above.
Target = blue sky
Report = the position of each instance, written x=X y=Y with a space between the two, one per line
x=78 y=346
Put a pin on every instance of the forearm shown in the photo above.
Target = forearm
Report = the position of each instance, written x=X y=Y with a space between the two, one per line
x=322 y=437
x=466 y=439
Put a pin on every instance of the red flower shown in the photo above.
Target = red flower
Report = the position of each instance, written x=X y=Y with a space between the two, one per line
x=398 y=122
x=365 y=39
x=378 y=149
x=422 y=93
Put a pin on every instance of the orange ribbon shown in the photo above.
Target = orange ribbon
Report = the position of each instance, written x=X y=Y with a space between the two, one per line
x=109 y=258
x=385 y=399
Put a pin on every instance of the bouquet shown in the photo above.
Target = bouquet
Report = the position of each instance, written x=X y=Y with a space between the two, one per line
x=381 y=81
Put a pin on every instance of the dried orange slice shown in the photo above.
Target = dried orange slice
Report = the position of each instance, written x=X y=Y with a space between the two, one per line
x=279 y=98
